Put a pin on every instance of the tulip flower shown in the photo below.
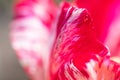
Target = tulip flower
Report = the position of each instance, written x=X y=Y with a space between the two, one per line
x=67 y=42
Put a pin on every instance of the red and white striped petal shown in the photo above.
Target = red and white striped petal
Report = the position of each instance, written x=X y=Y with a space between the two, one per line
x=77 y=54
x=32 y=37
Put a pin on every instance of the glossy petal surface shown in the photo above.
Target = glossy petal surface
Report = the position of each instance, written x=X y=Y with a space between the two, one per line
x=106 y=16
x=77 y=54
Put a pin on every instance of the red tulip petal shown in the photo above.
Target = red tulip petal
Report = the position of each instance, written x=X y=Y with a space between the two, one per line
x=106 y=16
x=76 y=46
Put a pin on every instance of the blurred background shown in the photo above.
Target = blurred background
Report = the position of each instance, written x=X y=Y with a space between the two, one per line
x=9 y=65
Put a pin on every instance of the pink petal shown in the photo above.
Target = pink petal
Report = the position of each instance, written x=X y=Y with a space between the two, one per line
x=32 y=35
